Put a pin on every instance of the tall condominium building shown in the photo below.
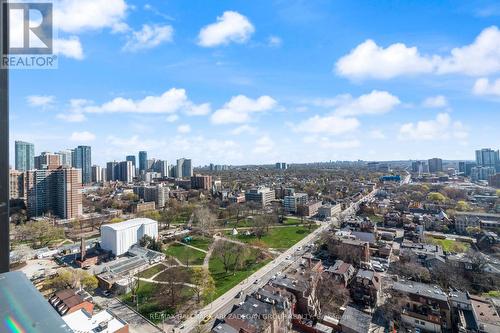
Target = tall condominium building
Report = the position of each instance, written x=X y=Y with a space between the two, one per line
x=111 y=171
x=281 y=166
x=159 y=194
x=47 y=160
x=16 y=184
x=56 y=191
x=96 y=174
x=291 y=203
x=161 y=167
x=435 y=165
x=482 y=172
x=131 y=158
x=65 y=157
x=143 y=161
x=81 y=158
x=261 y=195
x=126 y=171
x=201 y=182
x=487 y=157
x=104 y=175
x=184 y=168
x=24 y=156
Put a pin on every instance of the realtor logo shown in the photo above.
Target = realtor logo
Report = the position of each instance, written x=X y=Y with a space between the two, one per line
x=31 y=35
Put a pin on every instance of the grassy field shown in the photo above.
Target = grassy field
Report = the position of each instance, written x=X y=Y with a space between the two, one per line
x=450 y=245
x=185 y=254
x=147 y=304
x=374 y=218
x=161 y=276
x=151 y=271
x=292 y=220
x=225 y=281
x=280 y=238
x=201 y=242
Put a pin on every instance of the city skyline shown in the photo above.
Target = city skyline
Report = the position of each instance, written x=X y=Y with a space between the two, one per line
x=273 y=84
x=473 y=156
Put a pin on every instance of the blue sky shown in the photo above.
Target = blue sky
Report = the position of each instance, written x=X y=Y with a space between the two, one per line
x=266 y=80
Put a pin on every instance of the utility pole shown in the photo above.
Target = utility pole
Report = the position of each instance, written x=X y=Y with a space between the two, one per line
x=4 y=140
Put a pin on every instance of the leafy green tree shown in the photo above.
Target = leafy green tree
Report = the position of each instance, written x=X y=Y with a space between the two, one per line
x=462 y=206
x=436 y=197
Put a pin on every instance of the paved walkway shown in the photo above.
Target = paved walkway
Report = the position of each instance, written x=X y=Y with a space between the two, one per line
x=191 y=246
x=163 y=282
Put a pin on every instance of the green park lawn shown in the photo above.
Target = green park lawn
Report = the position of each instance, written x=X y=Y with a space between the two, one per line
x=225 y=281
x=151 y=271
x=201 y=242
x=281 y=237
x=147 y=303
x=185 y=254
x=450 y=245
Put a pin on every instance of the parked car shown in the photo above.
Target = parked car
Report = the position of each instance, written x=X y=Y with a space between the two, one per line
x=206 y=319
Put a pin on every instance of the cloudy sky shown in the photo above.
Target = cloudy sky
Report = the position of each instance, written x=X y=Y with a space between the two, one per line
x=266 y=80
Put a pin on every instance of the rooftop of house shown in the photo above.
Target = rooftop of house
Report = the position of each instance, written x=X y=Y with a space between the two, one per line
x=357 y=321
x=485 y=314
x=224 y=328
x=422 y=289
x=103 y=322
x=252 y=311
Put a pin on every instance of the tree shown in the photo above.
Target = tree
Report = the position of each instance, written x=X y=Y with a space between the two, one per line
x=204 y=219
x=462 y=206
x=332 y=295
x=40 y=233
x=151 y=243
x=436 y=197
x=170 y=293
x=231 y=255
x=203 y=281
x=260 y=226
x=89 y=281
x=392 y=308
x=72 y=278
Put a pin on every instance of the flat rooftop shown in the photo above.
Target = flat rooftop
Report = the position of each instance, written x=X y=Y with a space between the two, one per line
x=137 y=222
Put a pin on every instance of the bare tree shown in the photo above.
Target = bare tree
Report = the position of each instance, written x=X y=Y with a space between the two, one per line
x=170 y=293
x=231 y=254
x=332 y=295
x=204 y=219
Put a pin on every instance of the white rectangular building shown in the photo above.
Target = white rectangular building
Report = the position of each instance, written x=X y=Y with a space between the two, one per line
x=119 y=237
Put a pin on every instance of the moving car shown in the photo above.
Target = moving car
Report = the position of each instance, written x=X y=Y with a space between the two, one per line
x=206 y=319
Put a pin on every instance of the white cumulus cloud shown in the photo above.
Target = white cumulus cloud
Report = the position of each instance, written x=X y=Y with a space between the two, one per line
x=150 y=36
x=371 y=61
x=75 y=16
x=436 y=102
x=230 y=27
x=69 y=47
x=171 y=101
x=440 y=128
x=240 y=108
x=483 y=87
x=373 y=103
x=40 y=100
